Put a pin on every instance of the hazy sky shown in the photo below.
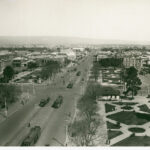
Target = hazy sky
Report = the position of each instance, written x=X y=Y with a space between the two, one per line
x=104 y=19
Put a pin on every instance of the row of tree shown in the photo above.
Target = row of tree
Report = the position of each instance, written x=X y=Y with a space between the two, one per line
x=83 y=130
x=9 y=94
x=125 y=48
x=51 y=68
x=111 y=62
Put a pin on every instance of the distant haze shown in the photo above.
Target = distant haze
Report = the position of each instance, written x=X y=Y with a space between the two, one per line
x=50 y=41
x=96 y=19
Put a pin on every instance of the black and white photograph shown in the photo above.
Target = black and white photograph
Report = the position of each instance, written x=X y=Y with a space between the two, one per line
x=75 y=73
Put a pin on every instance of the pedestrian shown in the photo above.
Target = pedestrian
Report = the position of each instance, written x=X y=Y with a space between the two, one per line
x=69 y=114
x=29 y=124
x=108 y=141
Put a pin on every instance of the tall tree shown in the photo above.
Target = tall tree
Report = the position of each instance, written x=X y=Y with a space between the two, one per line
x=9 y=92
x=132 y=81
x=8 y=73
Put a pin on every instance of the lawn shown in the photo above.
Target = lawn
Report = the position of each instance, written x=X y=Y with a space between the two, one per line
x=109 y=108
x=134 y=141
x=130 y=118
x=112 y=126
x=144 y=108
x=113 y=134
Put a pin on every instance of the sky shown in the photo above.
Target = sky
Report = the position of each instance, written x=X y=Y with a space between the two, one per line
x=100 y=19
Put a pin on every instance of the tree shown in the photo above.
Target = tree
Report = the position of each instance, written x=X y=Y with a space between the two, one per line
x=50 y=69
x=132 y=81
x=95 y=70
x=84 y=130
x=8 y=73
x=32 y=65
x=9 y=92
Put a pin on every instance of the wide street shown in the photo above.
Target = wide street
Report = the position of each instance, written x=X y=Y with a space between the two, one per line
x=52 y=121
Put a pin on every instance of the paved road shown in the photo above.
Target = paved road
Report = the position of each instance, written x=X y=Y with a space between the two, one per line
x=12 y=129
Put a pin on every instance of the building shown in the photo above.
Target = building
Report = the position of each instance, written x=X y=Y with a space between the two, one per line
x=136 y=62
x=17 y=62
x=71 y=55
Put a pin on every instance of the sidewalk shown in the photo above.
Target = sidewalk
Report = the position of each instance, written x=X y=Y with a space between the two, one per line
x=103 y=127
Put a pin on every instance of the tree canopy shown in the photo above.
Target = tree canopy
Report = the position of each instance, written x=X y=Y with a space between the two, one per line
x=9 y=92
x=8 y=73
x=133 y=82
x=50 y=68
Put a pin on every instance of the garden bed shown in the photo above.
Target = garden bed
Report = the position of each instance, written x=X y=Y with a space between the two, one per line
x=127 y=107
x=125 y=103
x=144 y=108
x=130 y=118
x=136 y=130
x=134 y=141
x=112 y=125
x=113 y=134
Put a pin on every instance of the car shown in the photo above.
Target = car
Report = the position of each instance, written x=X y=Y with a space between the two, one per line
x=32 y=136
x=58 y=102
x=74 y=69
x=70 y=85
x=82 y=79
x=78 y=73
x=148 y=96
x=43 y=102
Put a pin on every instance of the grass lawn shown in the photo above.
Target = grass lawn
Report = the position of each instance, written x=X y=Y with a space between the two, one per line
x=134 y=141
x=109 y=108
x=113 y=134
x=112 y=126
x=130 y=118
x=125 y=103
x=144 y=108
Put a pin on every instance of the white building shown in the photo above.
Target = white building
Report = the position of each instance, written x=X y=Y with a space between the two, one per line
x=70 y=54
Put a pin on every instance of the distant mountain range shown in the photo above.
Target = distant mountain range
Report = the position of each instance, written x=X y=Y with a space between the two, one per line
x=51 y=41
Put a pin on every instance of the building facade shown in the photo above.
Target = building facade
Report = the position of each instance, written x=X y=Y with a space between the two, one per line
x=136 y=62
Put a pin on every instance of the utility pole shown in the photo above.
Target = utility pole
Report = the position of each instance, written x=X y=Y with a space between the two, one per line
x=49 y=80
x=33 y=88
x=22 y=87
x=28 y=95
x=6 y=108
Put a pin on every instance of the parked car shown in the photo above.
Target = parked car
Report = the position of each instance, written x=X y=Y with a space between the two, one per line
x=78 y=73
x=148 y=96
x=43 y=102
x=58 y=102
x=32 y=136
x=70 y=85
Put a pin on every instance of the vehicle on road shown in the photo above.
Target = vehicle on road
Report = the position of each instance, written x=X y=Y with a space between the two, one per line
x=70 y=85
x=58 y=102
x=82 y=79
x=78 y=73
x=32 y=136
x=43 y=102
